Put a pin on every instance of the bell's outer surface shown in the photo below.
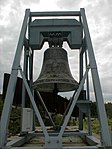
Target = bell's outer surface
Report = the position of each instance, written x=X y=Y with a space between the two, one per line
x=55 y=70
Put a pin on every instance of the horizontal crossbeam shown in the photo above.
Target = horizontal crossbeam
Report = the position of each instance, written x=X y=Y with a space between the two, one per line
x=55 y=13
x=77 y=147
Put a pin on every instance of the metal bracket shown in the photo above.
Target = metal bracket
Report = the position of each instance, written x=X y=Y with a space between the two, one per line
x=53 y=142
x=55 y=39
x=55 y=30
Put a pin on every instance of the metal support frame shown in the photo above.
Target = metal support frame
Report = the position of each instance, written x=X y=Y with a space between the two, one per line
x=12 y=83
x=97 y=87
x=51 y=140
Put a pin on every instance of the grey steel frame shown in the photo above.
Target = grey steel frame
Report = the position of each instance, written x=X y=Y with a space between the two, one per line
x=54 y=141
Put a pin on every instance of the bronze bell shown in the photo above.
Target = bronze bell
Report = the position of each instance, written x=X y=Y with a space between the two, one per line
x=55 y=73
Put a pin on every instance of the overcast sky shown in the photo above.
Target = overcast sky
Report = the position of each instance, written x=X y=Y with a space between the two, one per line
x=99 y=17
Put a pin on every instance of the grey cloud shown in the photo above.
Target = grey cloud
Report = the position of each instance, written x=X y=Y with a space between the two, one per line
x=27 y=2
x=100 y=25
x=3 y=3
x=68 y=4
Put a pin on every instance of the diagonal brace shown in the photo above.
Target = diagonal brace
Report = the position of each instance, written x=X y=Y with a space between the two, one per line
x=73 y=104
x=45 y=108
x=34 y=105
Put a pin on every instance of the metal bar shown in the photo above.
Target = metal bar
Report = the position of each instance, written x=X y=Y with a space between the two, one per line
x=88 y=95
x=19 y=141
x=31 y=54
x=105 y=134
x=66 y=134
x=72 y=106
x=31 y=67
x=67 y=109
x=70 y=147
x=34 y=105
x=91 y=140
x=88 y=98
x=25 y=72
x=80 y=77
x=23 y=87
x=55 y=13
x=31 y=80
x=12 y=83
x=45 y=108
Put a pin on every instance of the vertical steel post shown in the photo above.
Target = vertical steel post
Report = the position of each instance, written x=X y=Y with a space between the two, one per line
x=106 y=138
x=31 y=55
x=12 y=83
x=31 y=80
x=23 y=87
x=80 y=78
x=88 y=98
x=25 y=72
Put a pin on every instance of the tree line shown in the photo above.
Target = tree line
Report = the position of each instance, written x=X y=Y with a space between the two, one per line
x=108 y=108
x=94 y=113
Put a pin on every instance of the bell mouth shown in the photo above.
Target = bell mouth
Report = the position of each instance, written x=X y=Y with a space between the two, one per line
x=50 y=87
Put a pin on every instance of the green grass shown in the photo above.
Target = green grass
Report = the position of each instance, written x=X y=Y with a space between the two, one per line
x=15 y=118
x=15 y=121
x=95 y=126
